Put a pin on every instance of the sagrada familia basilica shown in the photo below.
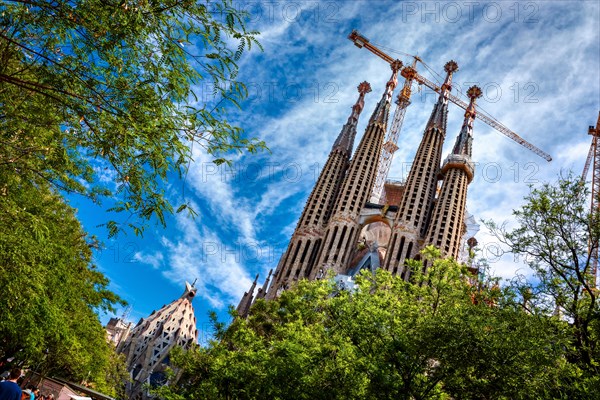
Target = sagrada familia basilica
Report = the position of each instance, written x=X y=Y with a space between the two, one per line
x=345 y=227
x=354 y=218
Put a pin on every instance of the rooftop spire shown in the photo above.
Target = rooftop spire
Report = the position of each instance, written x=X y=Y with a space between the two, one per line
x=440 y=111
x=246 y=301
x=190 y=291
x=263 y=290
x=450 y=67
x=266 y=284
x=383 y=107
x=465 y=138
x=345 y=140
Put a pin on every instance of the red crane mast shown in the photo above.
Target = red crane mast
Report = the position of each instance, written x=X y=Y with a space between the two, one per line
x=594 y=154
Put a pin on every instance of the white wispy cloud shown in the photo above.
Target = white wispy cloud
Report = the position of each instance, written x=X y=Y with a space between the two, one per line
x=153 y=259
x=198 y=253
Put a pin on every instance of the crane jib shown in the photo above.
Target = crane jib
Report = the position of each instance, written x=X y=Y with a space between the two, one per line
x=362 y=41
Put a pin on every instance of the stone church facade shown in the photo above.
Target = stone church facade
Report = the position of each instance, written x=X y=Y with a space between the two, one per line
x=341 y=230
x=147 y=346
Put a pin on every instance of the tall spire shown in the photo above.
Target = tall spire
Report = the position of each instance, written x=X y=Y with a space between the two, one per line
x=465 y=138
x=447 y=222
x=263 y=290
x=299 y=259
x=345 y=140
x=246 y=302
x=417 y=201
x=439 y=114
x=382 y=110
x=343 y=228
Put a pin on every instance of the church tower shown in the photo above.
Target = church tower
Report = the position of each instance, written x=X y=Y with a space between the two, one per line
x=300 y=257
x=446 y=228
x=417 y=202
x=338 y=210
x=341 y=231
x=147 y=347
x=343 y=228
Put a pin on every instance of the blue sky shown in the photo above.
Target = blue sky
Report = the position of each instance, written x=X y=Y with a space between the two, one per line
x=538 y=63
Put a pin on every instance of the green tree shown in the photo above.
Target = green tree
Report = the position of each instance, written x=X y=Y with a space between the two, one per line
x=556 y=232
x=51 y=292
x=91 y=87
x=437 y=337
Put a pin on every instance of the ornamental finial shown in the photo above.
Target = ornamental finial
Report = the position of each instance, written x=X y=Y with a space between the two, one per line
x=450 y=67
x=363 y=88
x=465 y=138
x=381 y=111
x=345 y=139
x=474 y=93
x=393 y=82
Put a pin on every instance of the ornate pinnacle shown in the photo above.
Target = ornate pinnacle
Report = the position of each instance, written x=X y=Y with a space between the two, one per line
x=396 y=66
x=381 y=111
x=345 y=139
x=363 y=88
x=450 y=67
x=391 y=84
x=464 y=139
x=473 y=93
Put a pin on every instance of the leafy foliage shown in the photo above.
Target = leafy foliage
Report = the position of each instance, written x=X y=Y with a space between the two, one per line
x=50 y=290
x=106 y=98
x=556 y=233
x=437 y=337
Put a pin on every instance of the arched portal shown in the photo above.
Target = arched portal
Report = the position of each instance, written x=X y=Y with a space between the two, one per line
x=371 y=246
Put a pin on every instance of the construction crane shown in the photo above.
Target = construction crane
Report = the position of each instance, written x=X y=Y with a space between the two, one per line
x=594 y=154
x=390 y=146
x=402 y=102
x=410 y=74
